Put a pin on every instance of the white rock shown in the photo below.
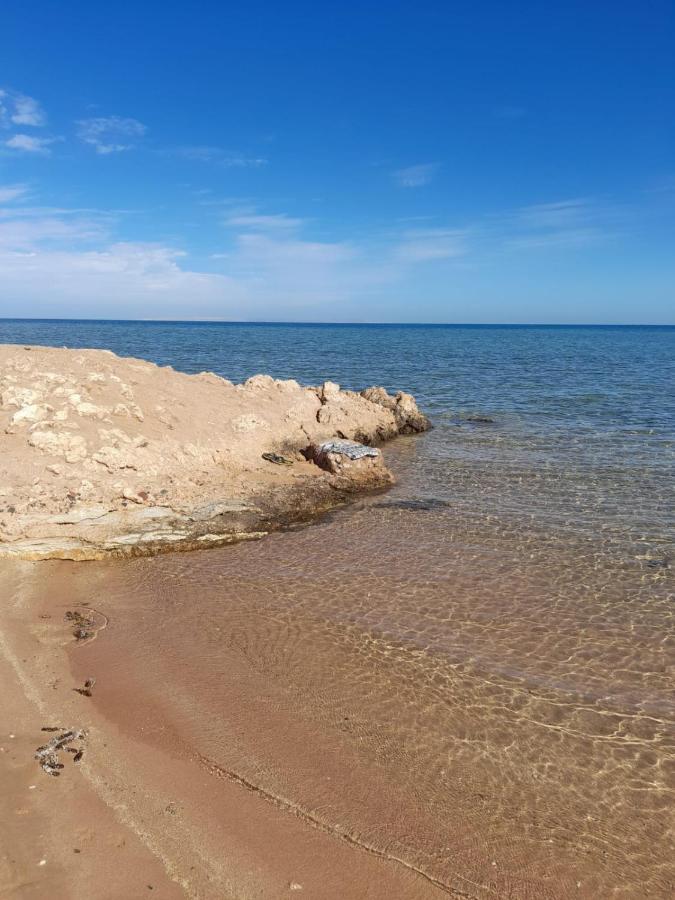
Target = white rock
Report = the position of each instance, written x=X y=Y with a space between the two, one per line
x=19 y=396
x=329 y=389
x=71 y=446
x=91 y=411
x=113 y=458
x=258 y=382
x=35 y=412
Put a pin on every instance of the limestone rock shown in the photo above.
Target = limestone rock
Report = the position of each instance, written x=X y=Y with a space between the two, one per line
x=409 y=419
x=34 y=412
x=72 y=447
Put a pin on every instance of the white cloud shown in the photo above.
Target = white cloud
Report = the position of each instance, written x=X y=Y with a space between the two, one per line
x=281 y=272
x=264 y=223
x=27 y=111
x=34 y=234
x=27 y=143
x=560 y=214
x=19 y=109
x=110 y=134
x=427 y=244
x=38 y=212
x=124 y=279
x=564 y=237
x=38 y=228
x=229 y=160
x=416 y=176
x=55 y=261
x=563 y=223
x=10 y=192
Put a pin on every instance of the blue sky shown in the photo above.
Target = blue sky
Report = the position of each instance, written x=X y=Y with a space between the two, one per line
x=427 y=161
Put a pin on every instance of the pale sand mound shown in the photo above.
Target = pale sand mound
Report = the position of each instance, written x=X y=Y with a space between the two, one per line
x=100 y=454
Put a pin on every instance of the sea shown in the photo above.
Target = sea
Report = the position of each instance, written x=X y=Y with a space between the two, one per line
x=491 y=642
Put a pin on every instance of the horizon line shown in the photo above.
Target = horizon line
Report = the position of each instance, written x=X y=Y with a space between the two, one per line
x=341 y=324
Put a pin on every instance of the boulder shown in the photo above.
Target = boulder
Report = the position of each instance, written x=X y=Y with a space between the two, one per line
x=409 y=420
x=350 y=460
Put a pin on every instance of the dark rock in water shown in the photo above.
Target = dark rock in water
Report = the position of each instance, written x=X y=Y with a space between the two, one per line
x=277 y=459
x=414 y=505
x=658 y=563
x=472 y=420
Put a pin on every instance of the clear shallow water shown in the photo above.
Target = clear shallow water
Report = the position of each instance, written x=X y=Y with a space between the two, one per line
x=473 y=673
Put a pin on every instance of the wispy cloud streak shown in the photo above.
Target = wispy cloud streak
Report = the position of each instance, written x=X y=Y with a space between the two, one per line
x=416 y=176
x=110 y=134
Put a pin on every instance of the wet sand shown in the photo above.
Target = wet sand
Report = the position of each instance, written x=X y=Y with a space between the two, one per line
x=406 y=699
x=144 y=813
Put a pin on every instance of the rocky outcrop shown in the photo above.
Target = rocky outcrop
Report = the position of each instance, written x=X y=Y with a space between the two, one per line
x=408 y=418
x=100 y=454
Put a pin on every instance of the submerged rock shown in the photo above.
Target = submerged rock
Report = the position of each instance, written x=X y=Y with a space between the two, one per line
x=480 y=420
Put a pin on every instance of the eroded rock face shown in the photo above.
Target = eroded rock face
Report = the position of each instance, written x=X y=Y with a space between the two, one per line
x=408 y=418
x=100 y=454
